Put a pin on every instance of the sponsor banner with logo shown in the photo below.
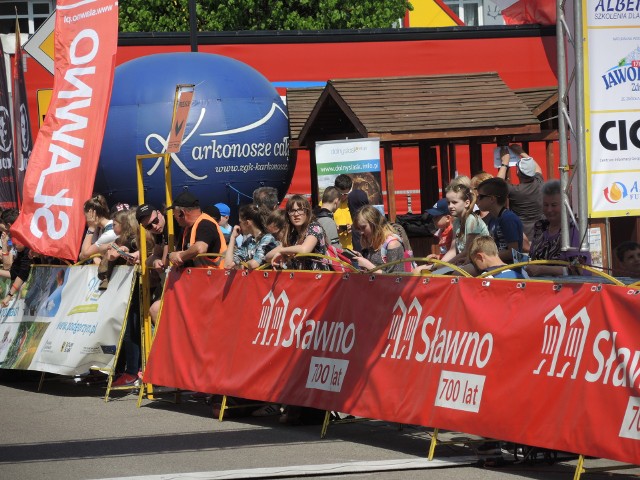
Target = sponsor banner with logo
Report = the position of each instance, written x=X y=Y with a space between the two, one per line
x=62 y=323
x=613 y=113
x=360 y=159
x=65 y=157
x=542 y=364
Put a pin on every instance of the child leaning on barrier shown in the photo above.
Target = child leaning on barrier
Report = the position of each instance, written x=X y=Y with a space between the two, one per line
x=483 y=253
x=275 y=222
x=256 y=243
x=302 y=235
x=125 y=226
x=466 y=226
x=380 y=242
x=443 y=222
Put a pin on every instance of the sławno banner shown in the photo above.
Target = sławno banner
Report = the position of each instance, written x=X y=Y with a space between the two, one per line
x=65 y=157
x=62 y=323
x=555 y=366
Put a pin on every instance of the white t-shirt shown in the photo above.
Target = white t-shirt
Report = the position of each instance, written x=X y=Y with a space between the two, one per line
x=106 y=236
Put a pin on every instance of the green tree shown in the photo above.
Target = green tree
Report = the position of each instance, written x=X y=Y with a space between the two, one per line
x=215 y=15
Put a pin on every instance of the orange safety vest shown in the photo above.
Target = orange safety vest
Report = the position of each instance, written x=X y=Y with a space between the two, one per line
x=214 y=262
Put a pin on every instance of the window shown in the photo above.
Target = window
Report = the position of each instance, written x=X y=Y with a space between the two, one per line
x=469 y=11
x=31 y=14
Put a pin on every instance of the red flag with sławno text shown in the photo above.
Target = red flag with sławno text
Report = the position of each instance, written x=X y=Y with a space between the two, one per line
x=65 y=156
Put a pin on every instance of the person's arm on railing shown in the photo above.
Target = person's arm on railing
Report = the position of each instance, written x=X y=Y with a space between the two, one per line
x=180 y=257
x=280 y=253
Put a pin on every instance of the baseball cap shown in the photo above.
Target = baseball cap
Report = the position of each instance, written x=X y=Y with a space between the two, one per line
x=143 y=211
x=527 y=167
x=225 y=211
x=440 y=208
x=185 y=200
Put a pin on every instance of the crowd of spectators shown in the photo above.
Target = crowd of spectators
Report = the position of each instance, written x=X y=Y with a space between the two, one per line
x=482 y=224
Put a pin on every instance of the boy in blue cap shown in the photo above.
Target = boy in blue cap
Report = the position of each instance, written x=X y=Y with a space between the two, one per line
x=225 y=212
x=442 y=220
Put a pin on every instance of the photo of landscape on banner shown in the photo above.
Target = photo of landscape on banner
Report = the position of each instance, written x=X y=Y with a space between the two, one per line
x=61 y=322
x=360 y=159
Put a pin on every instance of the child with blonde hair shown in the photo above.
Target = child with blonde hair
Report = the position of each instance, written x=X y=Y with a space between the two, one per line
x=466 y=226
x=483 y=253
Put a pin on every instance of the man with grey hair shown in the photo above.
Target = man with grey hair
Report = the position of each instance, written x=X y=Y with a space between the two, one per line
x=266 y=197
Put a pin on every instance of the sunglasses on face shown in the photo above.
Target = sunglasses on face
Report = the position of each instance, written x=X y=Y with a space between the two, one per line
x=152 y=223
x=482 y=195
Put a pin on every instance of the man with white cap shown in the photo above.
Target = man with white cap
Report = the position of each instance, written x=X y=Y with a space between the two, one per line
x=525 y=199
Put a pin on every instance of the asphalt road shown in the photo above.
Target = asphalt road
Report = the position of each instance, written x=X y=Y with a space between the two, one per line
x=67 y=431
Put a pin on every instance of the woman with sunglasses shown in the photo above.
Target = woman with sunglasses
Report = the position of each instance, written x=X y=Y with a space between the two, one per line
x=256 y=243
x=302 y=234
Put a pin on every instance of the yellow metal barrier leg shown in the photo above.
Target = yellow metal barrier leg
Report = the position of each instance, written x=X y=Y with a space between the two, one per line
x=579 y=468
x=143 y=386
x=106 y=394
x=325 y=424
x=432 y=446
x=223 y=407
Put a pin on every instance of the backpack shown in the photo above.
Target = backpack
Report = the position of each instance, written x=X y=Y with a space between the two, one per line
x=336 y=253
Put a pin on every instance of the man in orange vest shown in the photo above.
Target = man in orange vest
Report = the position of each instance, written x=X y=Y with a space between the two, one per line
x=201 y=234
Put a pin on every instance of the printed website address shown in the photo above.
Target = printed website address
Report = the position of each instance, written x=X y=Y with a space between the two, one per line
x=351 y=167
x=89 y=13
x=252 y=167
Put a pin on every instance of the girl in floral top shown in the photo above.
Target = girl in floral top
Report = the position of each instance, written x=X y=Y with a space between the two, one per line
x=255 y=244
x=302 y=235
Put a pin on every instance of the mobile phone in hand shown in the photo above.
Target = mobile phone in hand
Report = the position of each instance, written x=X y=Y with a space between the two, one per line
x=350 y=254
x=121 y=252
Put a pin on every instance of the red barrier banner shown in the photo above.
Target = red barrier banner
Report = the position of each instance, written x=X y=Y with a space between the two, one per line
x=65 y=157
x=542 y=364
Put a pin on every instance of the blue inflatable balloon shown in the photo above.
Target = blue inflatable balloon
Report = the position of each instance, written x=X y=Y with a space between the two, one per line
x=236 y=138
